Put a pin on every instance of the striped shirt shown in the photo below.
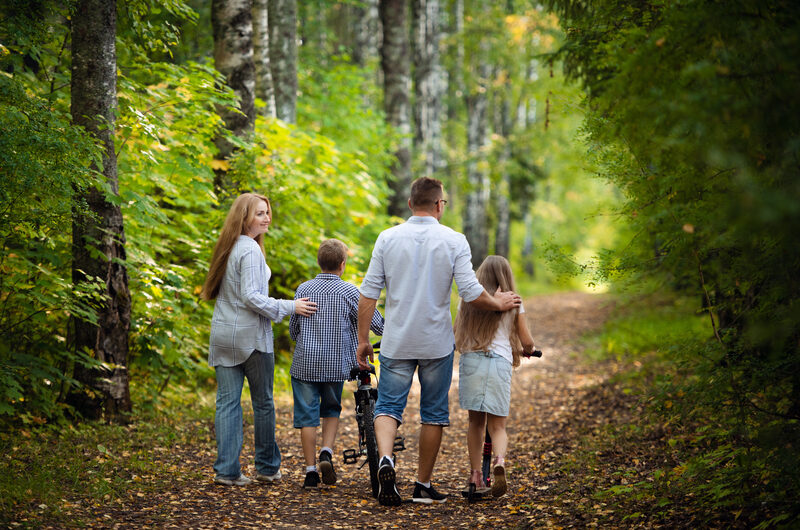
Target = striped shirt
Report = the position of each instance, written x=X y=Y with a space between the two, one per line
x=244 y=311
x=327 y=340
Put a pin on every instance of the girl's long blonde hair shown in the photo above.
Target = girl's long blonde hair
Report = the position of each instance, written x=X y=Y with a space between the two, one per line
x=237 y=223
x=476 y=327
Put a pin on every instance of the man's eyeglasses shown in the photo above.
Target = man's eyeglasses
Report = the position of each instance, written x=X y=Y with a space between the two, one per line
x=442 y=201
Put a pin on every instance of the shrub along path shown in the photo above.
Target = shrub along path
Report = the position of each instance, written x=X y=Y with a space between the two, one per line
x=556 y=400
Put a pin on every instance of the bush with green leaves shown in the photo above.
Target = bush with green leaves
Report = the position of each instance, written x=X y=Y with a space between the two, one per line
x=692 y=112
x=44 y=162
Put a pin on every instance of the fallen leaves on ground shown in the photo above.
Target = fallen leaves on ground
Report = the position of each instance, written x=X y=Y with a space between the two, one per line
x=556 y=401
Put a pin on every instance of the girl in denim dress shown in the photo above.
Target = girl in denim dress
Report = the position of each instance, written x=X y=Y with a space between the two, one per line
x=490 y=344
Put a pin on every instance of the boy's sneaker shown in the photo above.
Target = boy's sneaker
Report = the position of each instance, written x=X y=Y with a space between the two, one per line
x=312 y=481
x=326 y=468
x=427 y=495
x=240 y=481
x=269 y=479
x=387 y=491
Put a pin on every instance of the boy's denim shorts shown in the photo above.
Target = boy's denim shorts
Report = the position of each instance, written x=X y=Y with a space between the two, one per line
x=313 y=400
x=396 y=376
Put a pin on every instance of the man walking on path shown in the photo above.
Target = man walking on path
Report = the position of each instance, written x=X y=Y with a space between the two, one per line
x=417 y=262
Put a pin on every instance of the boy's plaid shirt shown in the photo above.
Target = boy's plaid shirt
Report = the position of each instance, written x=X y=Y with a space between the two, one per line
x=327 y=340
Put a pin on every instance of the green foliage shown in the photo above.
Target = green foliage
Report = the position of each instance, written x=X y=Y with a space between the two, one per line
x=553 y=200
x=167 y=122
x=165 y=139
x=727 y=460
x=44 y=160
x=340 y=102
x=692 y=110
x=311 y=182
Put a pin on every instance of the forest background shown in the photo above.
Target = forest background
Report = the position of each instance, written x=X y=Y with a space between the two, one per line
x=647 y=147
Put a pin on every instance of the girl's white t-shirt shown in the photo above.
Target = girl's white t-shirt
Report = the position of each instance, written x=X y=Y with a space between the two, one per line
x=501 y=342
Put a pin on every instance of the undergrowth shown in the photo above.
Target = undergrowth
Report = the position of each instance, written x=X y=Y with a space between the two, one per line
x=691 y=452
x=51 y=470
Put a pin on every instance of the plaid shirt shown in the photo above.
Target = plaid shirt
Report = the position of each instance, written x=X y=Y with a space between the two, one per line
x=327 y=340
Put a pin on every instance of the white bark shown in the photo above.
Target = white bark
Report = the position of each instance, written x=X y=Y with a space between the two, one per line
x=283 y=57
x=428 y=84
x=265 y=90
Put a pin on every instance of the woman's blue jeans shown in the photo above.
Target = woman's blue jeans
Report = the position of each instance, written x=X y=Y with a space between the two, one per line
x=259 y=369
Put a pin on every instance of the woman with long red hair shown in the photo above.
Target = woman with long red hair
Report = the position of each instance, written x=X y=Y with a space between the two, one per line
x=241 y=338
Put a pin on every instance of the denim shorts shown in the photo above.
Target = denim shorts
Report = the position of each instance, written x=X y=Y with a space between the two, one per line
x=313 y=400
x=396 y=376
x=484 y=382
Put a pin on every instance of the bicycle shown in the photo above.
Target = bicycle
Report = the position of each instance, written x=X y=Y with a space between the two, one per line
x=486 y=463
x=365 y=397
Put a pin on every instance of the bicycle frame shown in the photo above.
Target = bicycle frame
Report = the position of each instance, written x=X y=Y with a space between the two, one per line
x=365 y=397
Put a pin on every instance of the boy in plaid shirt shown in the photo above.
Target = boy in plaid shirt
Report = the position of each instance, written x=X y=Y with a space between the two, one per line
x=323 y=357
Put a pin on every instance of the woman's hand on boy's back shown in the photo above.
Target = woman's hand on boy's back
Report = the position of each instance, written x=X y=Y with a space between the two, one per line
x=305 y=307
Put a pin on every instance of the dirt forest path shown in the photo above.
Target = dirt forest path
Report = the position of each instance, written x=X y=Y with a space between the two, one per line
x=547 y=395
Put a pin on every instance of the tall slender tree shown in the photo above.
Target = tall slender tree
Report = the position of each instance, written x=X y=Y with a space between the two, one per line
x=232 y=26
x=98 y=238
x=283 y=56
x=366 y=31
x=475 y=216
x=504 y=125
x=395 y=62
x=265 y=89
x=429 y=84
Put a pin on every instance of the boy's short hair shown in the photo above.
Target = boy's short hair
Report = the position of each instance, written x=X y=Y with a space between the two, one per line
x=331 y=254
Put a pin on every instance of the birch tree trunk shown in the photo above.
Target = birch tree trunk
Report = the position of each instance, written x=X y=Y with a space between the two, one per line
x=366 y=31
x=93 y=106
x=396 y=90
x=502 y=245
x=475 y=216
x=265 y=90
x=283 y=57
x=526 y=110
x=428 y=84
x=527 y=245
x=232 y=25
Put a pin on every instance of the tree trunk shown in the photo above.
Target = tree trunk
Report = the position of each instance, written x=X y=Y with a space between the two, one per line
x=456 y=76
x=502 y=244
x=396 y=89
x=232 y=26
x=527 y=245
x=283 y=56
x=265 y=89
x=526 y=110
x=94 y=101
x=366 y=31
x=475 y=213
x=505 y=126
x=428 y=85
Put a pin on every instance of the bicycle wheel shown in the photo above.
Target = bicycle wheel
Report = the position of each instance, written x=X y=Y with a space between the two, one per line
x=372 y=443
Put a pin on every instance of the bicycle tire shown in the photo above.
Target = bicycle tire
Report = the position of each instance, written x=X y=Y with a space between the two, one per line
x=372 y=443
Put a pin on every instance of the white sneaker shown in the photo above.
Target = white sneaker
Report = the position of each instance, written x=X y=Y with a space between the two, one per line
x=241 y=481
x=269 y=478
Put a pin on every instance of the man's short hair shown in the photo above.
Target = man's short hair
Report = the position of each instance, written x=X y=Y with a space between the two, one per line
x=331 y=254
x=425 y=191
